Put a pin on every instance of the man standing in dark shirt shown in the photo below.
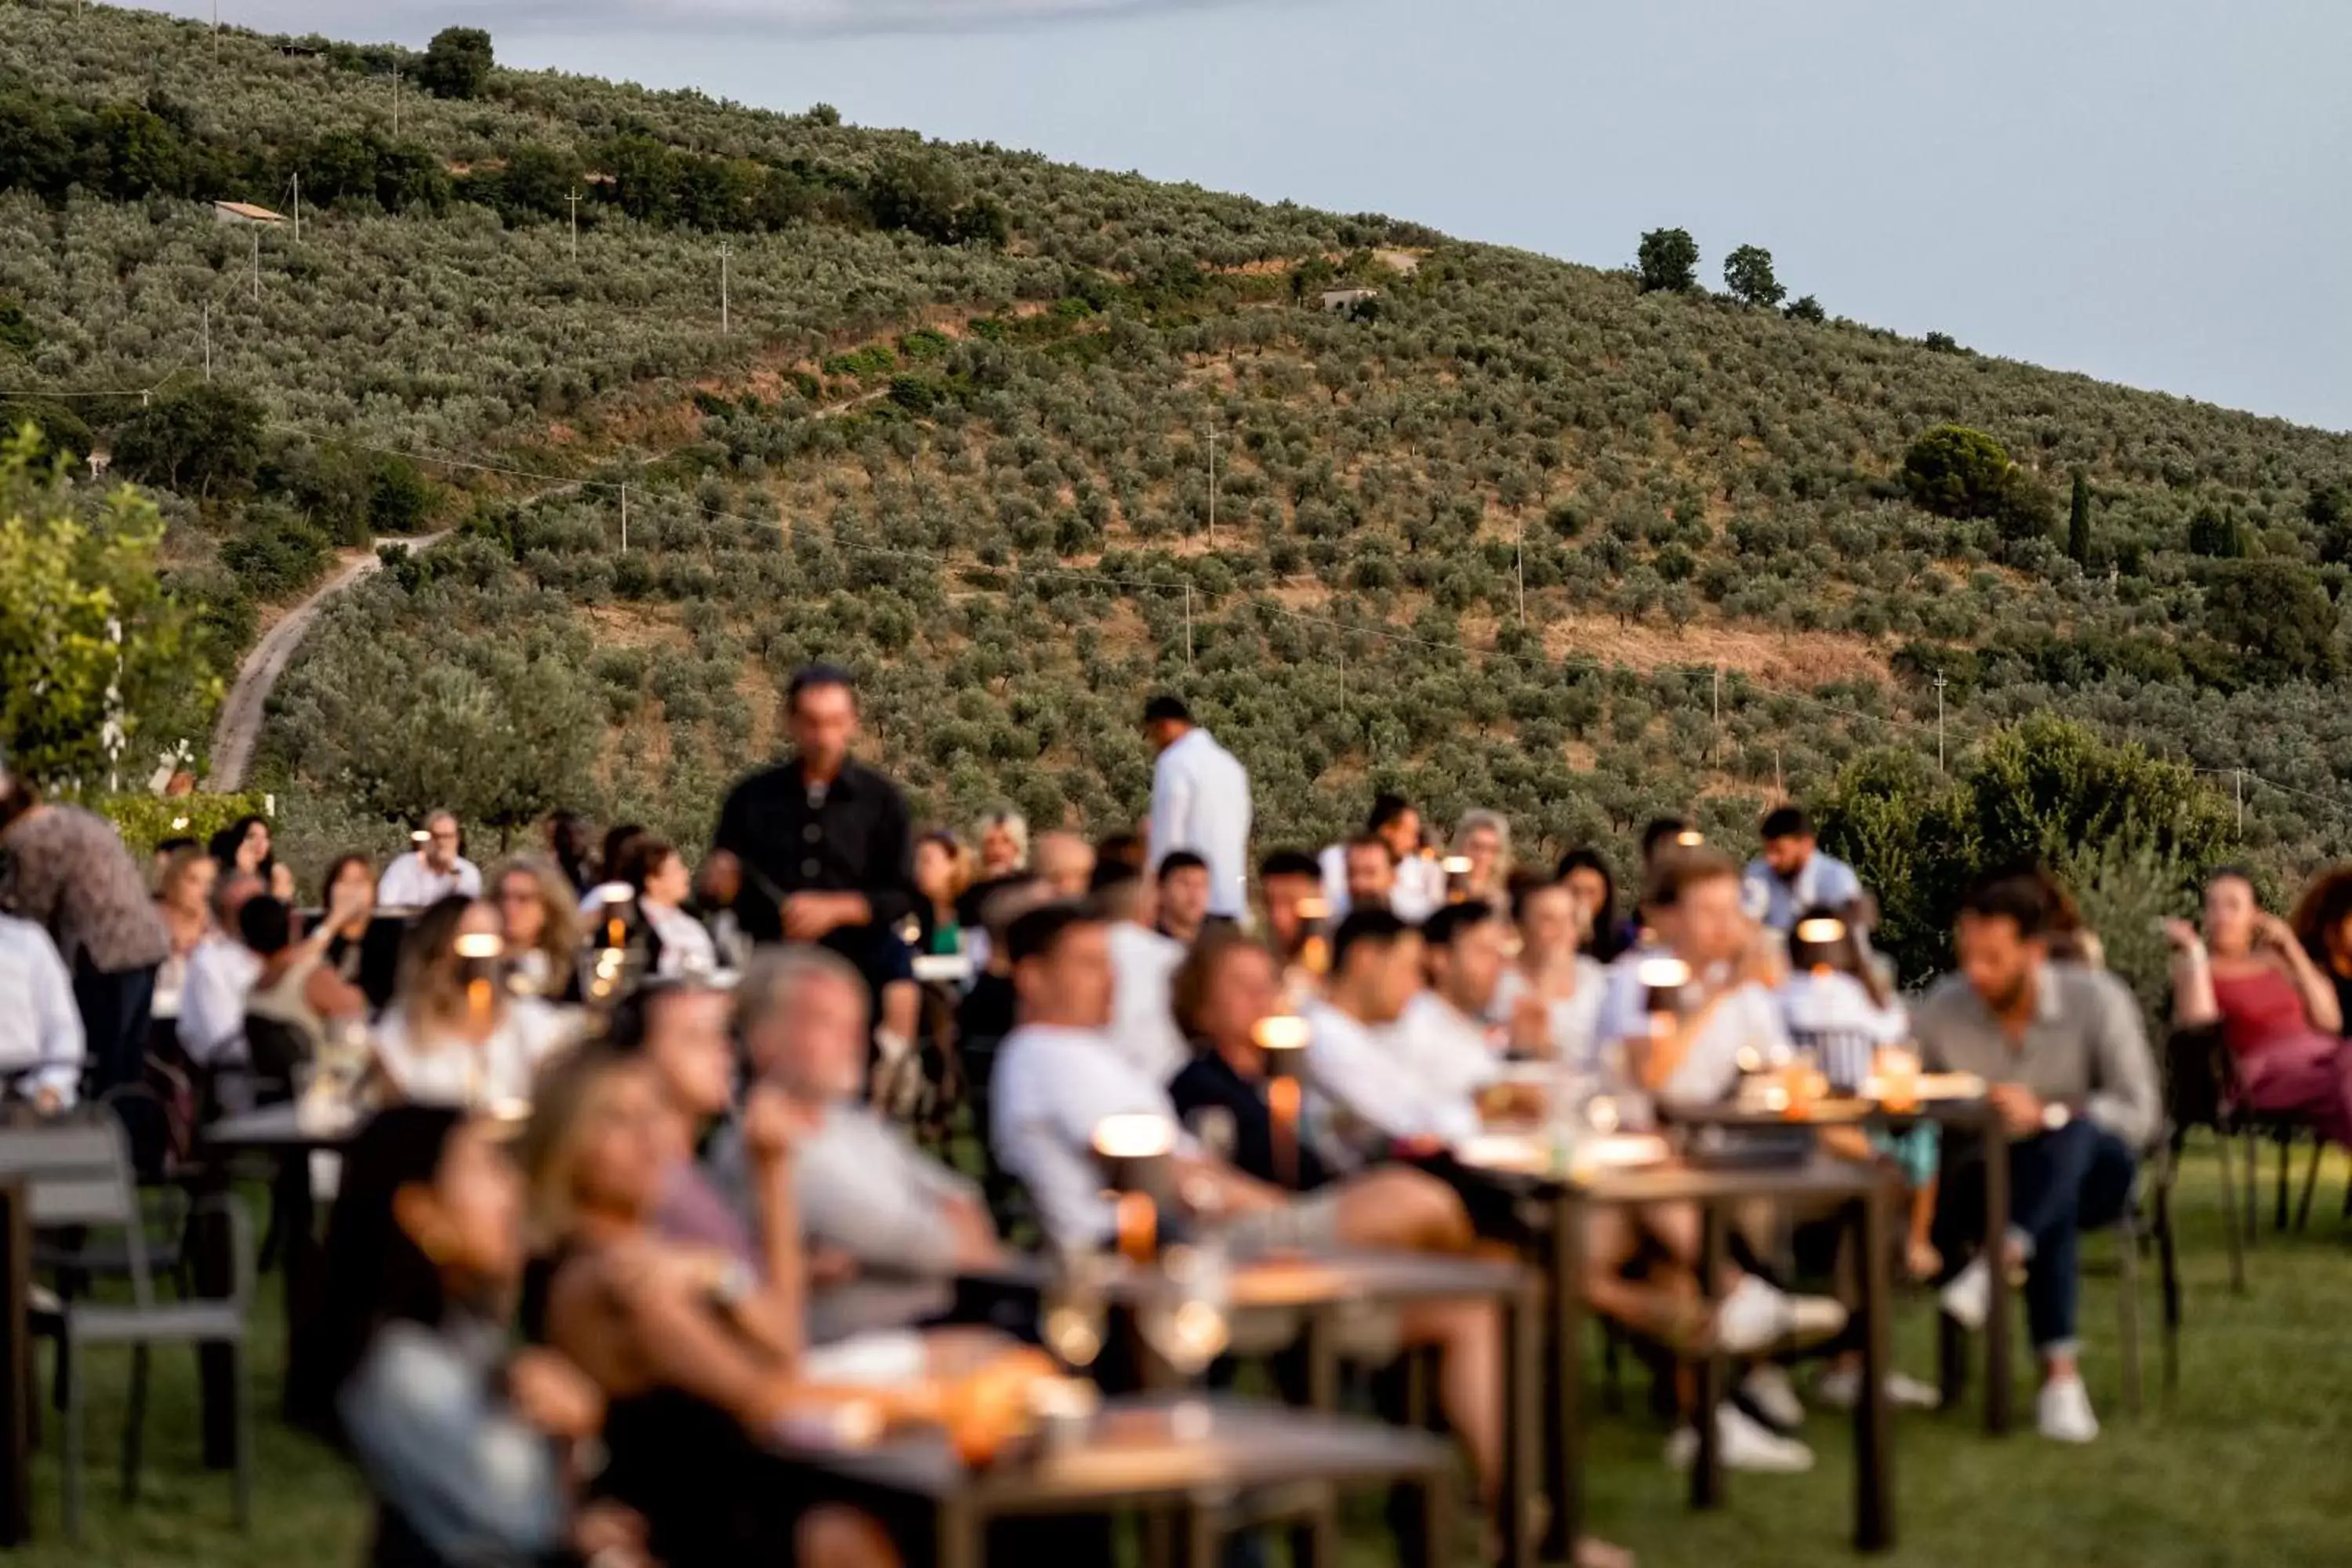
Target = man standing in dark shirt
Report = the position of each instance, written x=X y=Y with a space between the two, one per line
x=818 y=849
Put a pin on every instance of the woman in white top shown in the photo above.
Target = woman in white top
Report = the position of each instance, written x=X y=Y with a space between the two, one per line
x=659 y=873
x=456 y=1034
x=1549 y=999
x=184 y=899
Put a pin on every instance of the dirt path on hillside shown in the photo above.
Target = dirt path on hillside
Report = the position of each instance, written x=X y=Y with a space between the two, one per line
x=239 y=725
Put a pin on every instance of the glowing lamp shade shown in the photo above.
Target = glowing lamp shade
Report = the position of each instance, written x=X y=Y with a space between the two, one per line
x=179 y=825
x=1664 y=973
x=480 y=944
x=1690 y=838
x=1457 y=865
x=1313 y=908
x=1821 y=930
x=1141 y=1136
x=1281 y=1032
x=420 y=837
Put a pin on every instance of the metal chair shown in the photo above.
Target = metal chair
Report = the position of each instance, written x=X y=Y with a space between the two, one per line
x=79 y=1174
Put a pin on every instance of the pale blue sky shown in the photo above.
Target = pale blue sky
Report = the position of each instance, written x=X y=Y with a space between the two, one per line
x=2150 y=191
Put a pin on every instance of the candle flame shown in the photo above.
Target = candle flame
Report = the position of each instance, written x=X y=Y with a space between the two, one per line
x=1139 y=1136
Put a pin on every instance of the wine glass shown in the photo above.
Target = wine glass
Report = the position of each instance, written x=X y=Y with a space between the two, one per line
x=1186 y=1321
x=1072 y=1321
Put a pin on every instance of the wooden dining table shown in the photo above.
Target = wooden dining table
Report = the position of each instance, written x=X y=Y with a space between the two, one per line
x=1860 y=1195
x=1184 y=1454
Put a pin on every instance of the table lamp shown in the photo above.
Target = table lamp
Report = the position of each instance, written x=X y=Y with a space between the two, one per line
x=1690 y=838
x=480 y=951
x=1283 y=1037
x=1136 y=1152
x=1313 y=947
x=1457 y=872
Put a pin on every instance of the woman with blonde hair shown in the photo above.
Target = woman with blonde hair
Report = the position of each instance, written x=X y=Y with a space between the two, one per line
x=540 y=916
x=184 y=897
x=1003 y=840
x=1484 y=838
x=457 y=1033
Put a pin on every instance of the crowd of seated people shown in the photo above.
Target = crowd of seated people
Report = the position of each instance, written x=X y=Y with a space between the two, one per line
x=635 y=1110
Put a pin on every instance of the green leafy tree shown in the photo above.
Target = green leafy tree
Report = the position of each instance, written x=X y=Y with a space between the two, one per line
x=457 y=63
x=1668 y=260
x=93 y=655
x=1958 y=472
x=2328 y=509
x=200 y=439
x=17 y=335
x=2218 y=535
x=1805 y=308
x=2276 y=614
x=1748 y=274
x=2078 y=521
x=1941 y=343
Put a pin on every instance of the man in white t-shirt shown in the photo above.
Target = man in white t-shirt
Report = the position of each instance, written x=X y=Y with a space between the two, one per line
x=1353 y=1059
x=430 y=872
x=1414 y=887
x=1143 y=962
x=1726 y=1013
x=1443 y=1039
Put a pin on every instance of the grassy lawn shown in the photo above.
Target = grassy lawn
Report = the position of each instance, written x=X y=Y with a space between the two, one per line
x=2240 y=1467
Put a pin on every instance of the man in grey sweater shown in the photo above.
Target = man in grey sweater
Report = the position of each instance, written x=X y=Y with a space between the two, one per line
x=867 y=1194
x=2067 y=1060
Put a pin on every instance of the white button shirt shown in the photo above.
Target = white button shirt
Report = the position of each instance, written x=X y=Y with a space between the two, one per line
x=221 y=973
x=1420 y=885
x=1142 y=1028
x=408 y=883
x=40 y=1028
x=1051 y=1088
x=1201 y=802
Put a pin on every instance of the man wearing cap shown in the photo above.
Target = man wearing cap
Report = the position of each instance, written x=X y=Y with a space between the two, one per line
x=1199 y=801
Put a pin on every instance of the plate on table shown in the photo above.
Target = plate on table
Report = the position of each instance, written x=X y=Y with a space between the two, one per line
x=1933 y=1086
x=1517 y=1153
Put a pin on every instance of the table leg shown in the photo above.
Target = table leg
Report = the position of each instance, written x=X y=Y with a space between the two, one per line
x=958 y=1529
x=304 y=1262
x=15 y=1368
x=1204 y=1541
x=1319 y=1341
x=1520 y=1426
x=1430 y=1546
x=212 y=1270
x=1563 y=1377
x=1706 y=1471
x=2000 y=1323
x=1873 y=1419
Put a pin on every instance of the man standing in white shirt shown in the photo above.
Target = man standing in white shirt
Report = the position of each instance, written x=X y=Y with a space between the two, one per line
x=1415 y=885
x=431 y=872
x=1199 y=801
x=221 y=973
x=41 y=1044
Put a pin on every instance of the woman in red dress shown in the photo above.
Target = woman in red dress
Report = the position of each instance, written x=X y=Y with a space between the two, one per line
x=2278 y=1014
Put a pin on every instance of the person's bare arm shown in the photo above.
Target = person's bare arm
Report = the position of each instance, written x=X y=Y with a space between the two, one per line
x=778 y=1313
x=2317 y=991
x=2194 y=1005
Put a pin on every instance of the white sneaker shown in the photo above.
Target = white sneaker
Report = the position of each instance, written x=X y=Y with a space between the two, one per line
x=1756 y=1318
x=1767 y=1388
x=2063 y=1412
x=1747 y=1445
x=1840 y=1388
x=1968 y=1300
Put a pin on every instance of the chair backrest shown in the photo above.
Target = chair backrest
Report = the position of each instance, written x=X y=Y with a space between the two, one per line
x=76 y=1174
x=2198 y=1079
x=274 y=1048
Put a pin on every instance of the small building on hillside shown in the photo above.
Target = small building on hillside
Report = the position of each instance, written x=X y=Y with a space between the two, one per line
x=1340 y=300
x=244 y=212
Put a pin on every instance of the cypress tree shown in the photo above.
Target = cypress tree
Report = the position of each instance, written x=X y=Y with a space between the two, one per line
x=2078 y=521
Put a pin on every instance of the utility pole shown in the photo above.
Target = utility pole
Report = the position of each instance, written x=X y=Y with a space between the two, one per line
x=1212 y=487
x=724 y=326
x=574 y=199
x=625 y=517
x=298 y=207
x=208 y=341
x=2238 y=787
x=1519 y=569
x=1188 y=626
x=395 y=100
x=1717 y=742
x=1940 y=720
x=215 y=32
x=256 y=264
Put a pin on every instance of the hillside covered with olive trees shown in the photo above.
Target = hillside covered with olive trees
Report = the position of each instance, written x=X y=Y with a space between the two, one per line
x=1020 y=442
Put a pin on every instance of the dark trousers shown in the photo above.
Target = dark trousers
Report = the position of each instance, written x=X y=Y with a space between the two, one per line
x=114 y=1022
x=2060 y=1184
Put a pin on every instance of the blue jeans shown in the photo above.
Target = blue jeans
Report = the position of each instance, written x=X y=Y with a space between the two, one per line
x=2060 y=1184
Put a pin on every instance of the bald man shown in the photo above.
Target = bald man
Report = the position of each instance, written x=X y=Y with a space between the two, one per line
x=1065 y=861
